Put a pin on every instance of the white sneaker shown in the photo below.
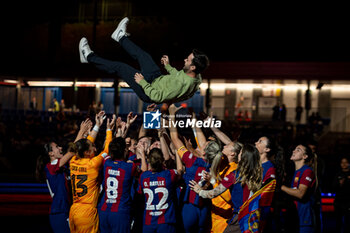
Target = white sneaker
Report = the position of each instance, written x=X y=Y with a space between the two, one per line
x=84 y=50
x=121 y=30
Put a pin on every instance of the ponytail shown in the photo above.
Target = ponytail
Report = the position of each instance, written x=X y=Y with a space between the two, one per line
x=156 y=160
x=213 y=155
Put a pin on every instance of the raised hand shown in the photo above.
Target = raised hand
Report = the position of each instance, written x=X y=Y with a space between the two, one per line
x=164 y=60
x=130 y=119
x=138 y=77
x=99 y=118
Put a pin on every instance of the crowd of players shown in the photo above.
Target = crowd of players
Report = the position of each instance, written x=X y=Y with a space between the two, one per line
x=168 y=184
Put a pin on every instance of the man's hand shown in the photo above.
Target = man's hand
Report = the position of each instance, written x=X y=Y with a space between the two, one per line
x=138 y=77
x=164 y=60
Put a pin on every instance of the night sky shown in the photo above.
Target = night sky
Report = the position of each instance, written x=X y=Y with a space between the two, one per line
x=226 y=32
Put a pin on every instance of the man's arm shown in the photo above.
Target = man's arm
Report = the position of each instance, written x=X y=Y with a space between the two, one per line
x=157 y=95
x=165 y=61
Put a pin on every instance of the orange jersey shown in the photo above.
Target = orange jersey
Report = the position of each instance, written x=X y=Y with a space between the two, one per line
x=222 y=205
x=84 y=174
x=83 y=217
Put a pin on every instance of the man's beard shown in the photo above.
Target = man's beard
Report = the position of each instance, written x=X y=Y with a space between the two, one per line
x=186 y=69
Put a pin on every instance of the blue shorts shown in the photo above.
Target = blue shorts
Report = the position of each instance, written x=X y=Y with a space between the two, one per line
x=60 y=222
x=114 y=222
x=196 y=219
x=306 y=229
x=159 y=228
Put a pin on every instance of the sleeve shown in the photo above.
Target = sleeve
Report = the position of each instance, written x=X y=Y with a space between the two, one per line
x=186 y=156
x=307 y=178
x=91 y=139
x=157 y=95
x=271 y=173
x=107 y=141
x=229 y=180
x=174 y=175
x=53 y=166
x=170 y=69
x=97 y=161
x=139 y=187
x=135 y=171
x=181 y=151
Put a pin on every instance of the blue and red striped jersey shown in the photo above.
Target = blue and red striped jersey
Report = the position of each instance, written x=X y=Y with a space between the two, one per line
x=269 y=171
x=117 y=183
x=194 y=171
x=159 y=189
x=56 y=178
x=239 y=194
x=305 y=176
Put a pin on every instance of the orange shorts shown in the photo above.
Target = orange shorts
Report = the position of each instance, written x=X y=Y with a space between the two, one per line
x=83 y=218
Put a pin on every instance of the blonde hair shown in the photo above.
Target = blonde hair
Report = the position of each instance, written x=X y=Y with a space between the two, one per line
x=213 y=155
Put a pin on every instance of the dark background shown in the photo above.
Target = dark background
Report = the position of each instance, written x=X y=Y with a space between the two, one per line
x=33 y=42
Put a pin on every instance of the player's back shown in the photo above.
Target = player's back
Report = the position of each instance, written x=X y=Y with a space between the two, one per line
x=84 y=174
x=159 y=190
x=117 y=184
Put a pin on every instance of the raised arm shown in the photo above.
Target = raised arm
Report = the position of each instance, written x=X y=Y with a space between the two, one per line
x=163 y=144
x=85 y=128
x=140 y=152
x=173 y=131
x=109 y=133
x=222 y=137
x=98 y=122
x=198 y=134
x=149 y=108
x=130 y=119
x=66 y=158
x=165 y=61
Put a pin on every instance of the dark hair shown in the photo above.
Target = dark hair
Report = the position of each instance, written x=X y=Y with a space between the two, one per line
x=276 y=156
x=41 y=162
x=117 y=148
x=311 y=160
x=80 y=147
x=156 y=159
x=200 y=60
x=250 y=168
